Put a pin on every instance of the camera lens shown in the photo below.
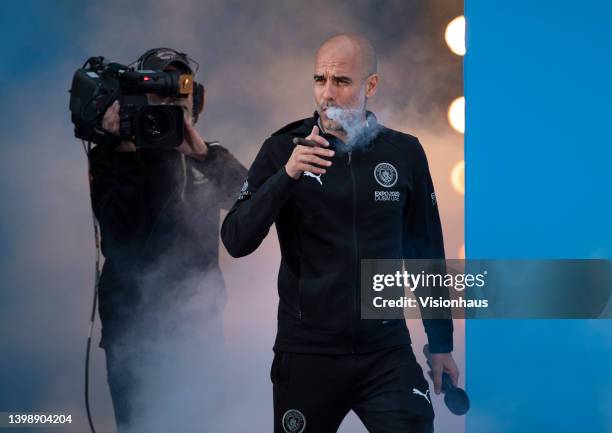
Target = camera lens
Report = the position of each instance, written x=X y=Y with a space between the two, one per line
x=155 y=125
x=159 y=126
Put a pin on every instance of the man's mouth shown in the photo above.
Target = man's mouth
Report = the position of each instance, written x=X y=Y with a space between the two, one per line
x=326 y=106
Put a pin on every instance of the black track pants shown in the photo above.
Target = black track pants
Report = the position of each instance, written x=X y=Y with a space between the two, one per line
x=386 y=389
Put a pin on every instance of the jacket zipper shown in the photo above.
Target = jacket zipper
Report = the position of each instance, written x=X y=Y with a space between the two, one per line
x=355 y=251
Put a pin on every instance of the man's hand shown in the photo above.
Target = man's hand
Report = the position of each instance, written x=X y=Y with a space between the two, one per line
x=309 y=158
x=110 y=122
x=193 y=144
x=443 y=363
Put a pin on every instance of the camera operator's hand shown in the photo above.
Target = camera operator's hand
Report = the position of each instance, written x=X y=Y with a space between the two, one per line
x=193 y=144
x=110 y=122
x=309 y=158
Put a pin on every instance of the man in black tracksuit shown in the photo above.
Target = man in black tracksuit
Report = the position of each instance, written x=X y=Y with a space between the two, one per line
x=161 y=292
x=359 y=191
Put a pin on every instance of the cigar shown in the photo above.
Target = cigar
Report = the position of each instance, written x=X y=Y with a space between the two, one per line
x=303 y=142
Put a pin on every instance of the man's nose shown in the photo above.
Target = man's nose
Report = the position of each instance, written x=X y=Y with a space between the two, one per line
x=329 y=91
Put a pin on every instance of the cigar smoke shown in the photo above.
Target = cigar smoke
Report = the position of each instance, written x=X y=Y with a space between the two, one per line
x=360 y=128
x=359 y=125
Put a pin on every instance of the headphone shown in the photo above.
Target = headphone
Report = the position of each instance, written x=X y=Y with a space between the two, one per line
x=199 y=91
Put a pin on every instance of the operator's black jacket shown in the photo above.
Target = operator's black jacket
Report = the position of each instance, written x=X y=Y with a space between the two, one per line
x=325 y=228
x=159 y=215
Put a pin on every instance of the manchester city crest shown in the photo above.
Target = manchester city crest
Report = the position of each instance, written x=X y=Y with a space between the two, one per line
x=294 y=421
x=385 y=174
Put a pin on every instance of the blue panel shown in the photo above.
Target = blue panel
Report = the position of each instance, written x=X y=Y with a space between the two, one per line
x=538 y=185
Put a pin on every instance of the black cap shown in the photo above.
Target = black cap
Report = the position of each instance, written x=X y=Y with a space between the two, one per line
x=158 y=59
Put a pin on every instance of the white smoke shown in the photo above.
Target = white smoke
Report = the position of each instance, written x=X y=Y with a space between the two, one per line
x=181 y=358
x=359 y=131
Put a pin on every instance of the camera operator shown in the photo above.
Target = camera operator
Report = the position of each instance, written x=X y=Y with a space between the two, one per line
x=161 y=292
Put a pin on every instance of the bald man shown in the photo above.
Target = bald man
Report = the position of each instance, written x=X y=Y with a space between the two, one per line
x=340 y=187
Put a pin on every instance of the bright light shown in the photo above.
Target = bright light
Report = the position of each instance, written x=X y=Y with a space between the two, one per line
x=458 y=177
x=456 y=114
x=455 y=35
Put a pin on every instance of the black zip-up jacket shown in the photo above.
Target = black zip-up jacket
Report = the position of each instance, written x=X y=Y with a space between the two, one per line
x=376 y=202
x=159 y=216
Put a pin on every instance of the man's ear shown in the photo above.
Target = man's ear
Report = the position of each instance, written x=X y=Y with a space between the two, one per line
x=371 y=85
